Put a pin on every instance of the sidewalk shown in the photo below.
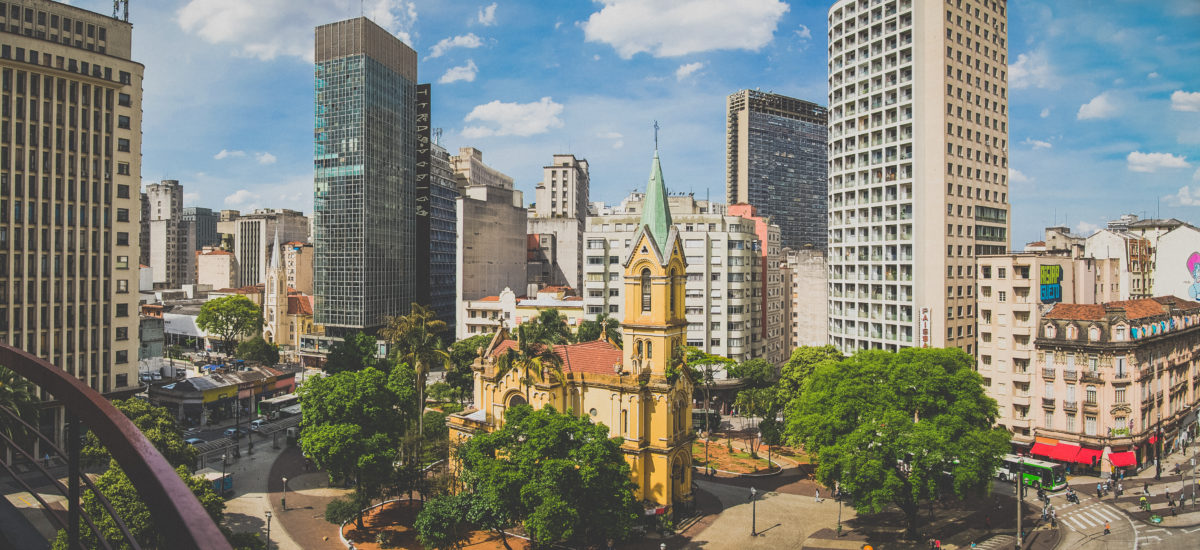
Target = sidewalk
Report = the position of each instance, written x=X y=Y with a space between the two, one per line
x=1136 y=485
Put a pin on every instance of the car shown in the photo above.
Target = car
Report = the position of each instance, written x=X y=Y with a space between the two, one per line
x=256 y=425
x=235 y=432
x=193 y=441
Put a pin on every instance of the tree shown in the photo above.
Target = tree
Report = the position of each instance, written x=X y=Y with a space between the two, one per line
x=130 y=507
x=755 y=373
x=801 y=364
x=559 y=475
x=602 y=325
x=157 y=424
x=354 y=353
x=463 y=353
x=532 y=357
x=19 y=396
x=899 y=427
x=416 y=339
x=442 y=523
x=553 y=327
x=229 y=317
x=259 y=350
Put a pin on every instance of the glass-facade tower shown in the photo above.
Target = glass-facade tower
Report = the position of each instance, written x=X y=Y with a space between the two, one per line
x=776 y=161
x=443 y=193
x=365 y=164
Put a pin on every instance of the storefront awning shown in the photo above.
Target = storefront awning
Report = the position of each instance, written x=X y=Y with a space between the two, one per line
x=1042 y=449
x=1086 y=455
x=1122 y=459
x=1064 y=452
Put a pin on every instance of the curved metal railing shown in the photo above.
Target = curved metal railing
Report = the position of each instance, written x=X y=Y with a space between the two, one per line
x=170 y=502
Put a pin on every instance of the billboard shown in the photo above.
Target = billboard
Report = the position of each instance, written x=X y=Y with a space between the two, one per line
x=1051 y=287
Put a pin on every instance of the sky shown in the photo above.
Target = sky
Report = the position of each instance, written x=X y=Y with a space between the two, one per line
x=1104 y=95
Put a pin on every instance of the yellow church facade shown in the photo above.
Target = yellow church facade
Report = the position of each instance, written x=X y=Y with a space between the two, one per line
x=636 y=391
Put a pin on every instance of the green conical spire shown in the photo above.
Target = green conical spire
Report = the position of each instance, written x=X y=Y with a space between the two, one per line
x=656 y=212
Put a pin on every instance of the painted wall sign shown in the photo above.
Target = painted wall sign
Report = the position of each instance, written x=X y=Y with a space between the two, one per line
x=1051 y=279
x=924 y=327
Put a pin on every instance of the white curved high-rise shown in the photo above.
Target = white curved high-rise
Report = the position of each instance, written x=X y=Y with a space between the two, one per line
x=918 y=167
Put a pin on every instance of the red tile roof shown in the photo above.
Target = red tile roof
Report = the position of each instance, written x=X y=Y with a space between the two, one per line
x=595 y=357
x=488 y=299
x=300 y=305
x=1138 y=309
x=1134 y=309
x=1077 y=312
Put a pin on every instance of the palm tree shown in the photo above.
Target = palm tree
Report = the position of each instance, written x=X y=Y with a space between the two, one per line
x=416 y=340
x=19 y=396
x=602 y=325
x=553 y=327
x=533 y=357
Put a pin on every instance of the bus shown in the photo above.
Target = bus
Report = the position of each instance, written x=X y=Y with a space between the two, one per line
x=1049 y=476
x=270 y=407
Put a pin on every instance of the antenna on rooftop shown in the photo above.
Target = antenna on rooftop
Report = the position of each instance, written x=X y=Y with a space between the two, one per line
x=117 y=4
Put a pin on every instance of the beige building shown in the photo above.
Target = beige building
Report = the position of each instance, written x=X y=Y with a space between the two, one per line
x=298 y=265
x=252 y=239
x=287 y=312
x=806 y=296
x=75 y=303
x=172 y=240
x=469 y=170
x=1014 y=291
x=488 y=314
x=216 y=268
x=491 y=223
x=918 y=168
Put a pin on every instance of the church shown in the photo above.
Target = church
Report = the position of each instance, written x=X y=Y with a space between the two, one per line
x=636 y=391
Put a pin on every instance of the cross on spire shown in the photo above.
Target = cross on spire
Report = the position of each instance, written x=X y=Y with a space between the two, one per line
x=656 y=127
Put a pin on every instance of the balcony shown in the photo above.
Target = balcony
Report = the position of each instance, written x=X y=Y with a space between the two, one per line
x=1070 y=406
x=1070 y=375
x=1049 y=403
x=1048 y=373
x=1090 y=406
x=1091 y=377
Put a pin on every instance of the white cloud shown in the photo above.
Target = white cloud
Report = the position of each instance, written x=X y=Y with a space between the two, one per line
x=1033 y=70
x=1086 y=228
x=191 y=198
x=265 y=158
x=226 y=153
x=241 y=197
x=466 y=73
x=468 y=41
x=685 y=71
x=1101 y=106
x=618 y=139
x=267 y=29
x=1152 y=75
x=1016 y=176
x=513 y=119
x=1151 y=162
x=487 y=15
x=804 y=32
x=1037 y=143
x=1045 y=112
x=1185 y=197
x=671 y=28
x=1196 y=175
x=1185 y=101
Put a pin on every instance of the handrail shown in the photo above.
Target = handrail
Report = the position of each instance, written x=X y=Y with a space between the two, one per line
x=170 y=502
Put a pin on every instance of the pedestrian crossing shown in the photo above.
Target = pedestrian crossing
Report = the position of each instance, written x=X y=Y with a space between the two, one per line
x=1089 y=517
x=997 y=542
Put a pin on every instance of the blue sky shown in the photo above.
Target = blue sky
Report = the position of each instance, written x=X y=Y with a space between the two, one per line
x=1104 y=95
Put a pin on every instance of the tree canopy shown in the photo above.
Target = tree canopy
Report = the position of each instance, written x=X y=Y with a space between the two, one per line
x=354 y=353
x=603 y=324
x=259 y=350
x=899 y=428
x=416 y=340
x=559 y=475
x=532 y=357
x=156 y=423
x=801 y=364
x=463 y=353
x=18 y=395
x=552 y=327
x=230 y=317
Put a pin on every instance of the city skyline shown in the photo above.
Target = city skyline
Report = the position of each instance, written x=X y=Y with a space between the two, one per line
x=1125 y=63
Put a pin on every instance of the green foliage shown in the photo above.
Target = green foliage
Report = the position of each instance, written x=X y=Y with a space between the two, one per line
x=416 y=339
x=899 y=428
x=532 y=357
x=18 y=395
x=443 y=522
x=340 y=510
x=246 y=541
x=435 y=426
x=755 y=373
x=259 y=350
x=388 y=539
x=553 y=327
x=156 y=423
x=354 y=353
x=803 y=362
x=602 y=325
x=229 y=317
x=130 y=507
x=558 y=475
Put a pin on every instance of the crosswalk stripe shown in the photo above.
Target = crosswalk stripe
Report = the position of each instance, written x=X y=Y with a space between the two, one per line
x=1078 y=524
x=1071 y=523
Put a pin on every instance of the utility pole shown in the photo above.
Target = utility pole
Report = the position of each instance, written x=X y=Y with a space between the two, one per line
x=1020 y=489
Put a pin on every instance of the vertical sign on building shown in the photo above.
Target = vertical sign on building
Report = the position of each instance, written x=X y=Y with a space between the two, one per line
x=1051 y=287
x=924 y=327
x=421 y=284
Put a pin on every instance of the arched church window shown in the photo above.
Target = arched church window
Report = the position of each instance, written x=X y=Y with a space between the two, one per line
x=645 y=290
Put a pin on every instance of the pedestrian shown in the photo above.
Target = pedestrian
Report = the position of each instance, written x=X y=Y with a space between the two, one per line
x=1146 y=487
x=46 y=460
x=987 y=520
x=817 y=498
x=937 y=544
x=1107 y=528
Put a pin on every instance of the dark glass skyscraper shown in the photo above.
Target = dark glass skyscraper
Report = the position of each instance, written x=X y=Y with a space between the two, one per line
x=442 y=236
x=776 y=161
x=364 y=181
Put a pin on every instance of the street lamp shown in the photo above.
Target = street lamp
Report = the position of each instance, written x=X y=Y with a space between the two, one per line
x=753 y=494
x=222 y=474
x=839 y=501
x=268 y=530
x=283 y=499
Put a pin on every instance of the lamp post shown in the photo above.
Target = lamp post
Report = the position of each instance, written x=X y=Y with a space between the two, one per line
x=222 y=474
x=283 y=499
x=1020 y=489
x=839 y=529
x=268 y=530
x=753 y=494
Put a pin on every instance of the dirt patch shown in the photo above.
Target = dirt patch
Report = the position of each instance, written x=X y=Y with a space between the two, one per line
x=721 y=458
x=398 y=517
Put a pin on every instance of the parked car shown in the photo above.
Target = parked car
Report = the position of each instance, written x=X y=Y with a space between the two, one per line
x=235 y=432
x=193 y=441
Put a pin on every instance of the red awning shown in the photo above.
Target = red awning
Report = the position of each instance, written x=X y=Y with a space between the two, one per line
x=1086 y=455
x=1122 y=459
x=1065 y=452
x=1042 y=449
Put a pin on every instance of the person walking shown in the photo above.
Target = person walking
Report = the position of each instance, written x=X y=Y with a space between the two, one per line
x=817 y=498
x=1107 y=528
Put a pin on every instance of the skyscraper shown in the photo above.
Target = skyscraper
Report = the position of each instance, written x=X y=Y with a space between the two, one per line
x=918 y=172
x=364 y=183
x=558 y=218
x=775 y=161
x=442 y=236
x=69 y=206
x=172 y=240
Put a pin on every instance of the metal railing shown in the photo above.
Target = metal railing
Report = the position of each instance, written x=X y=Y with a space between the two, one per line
x=170 y=502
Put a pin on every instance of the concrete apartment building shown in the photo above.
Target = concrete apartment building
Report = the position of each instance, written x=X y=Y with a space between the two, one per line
x=172 y=239
x=775 y=159
x=1108 y=377
x=491 y=222
x=204 y=223
x=1014 y=291
x=772 y=318
x=1132 y=252
x=918 y=168
x=806 y=296
x=364 y=196
x=68 y=281
x=298 y=266
x=561 y=210
x=486 y=315
x=252 y=238
x=724 y=295
x=216 y=268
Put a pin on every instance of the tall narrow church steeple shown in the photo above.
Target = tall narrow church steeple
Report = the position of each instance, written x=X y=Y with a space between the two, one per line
x=656 y=212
